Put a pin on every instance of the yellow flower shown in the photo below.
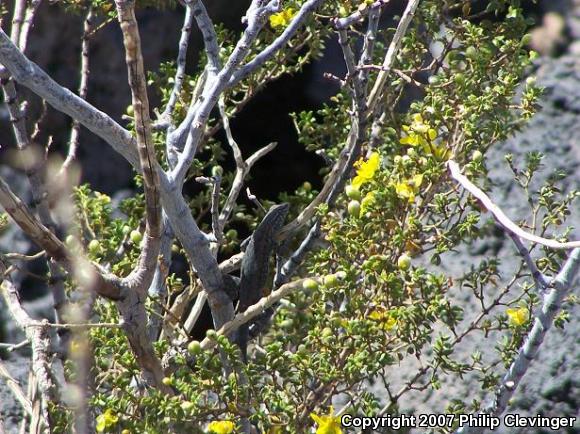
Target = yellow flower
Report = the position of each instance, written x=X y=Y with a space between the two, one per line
x=327 y=424
x=421 y=134
x=518 y=317
x=366 y=169
x=409 y=188
x=382 y=316
x=282 y=19
x=221 y=427
x=106 y=420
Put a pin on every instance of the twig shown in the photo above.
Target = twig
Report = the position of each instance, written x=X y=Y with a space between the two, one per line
x=544 y=319
x=499 y=215
x=14 y=386
x=298 y=20
x=216 y=182
x=358 y=15
x=391 y=55
x=253 y=311
x=252 y=197
x=132 y=308
x=369 y=45
x=181 y=61
x=83 y=88
x=27 y=24
x=242 y=171
x=21 y=257
x=13 y=347
x=40 y=343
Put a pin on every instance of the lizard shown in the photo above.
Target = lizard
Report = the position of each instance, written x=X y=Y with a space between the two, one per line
x=256 y=265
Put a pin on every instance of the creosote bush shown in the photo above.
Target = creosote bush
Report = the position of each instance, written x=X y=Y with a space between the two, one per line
x=356 y=290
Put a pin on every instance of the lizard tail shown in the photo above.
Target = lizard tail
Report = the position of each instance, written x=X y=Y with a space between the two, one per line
x=242 y=341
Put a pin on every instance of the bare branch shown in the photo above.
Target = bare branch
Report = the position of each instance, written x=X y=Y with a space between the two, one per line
x=181 y=61
x=255 y=18
x=14 y=386
x=359 y=14
x=543 y=321
x=142 y=276
x=83 y=88
x=298 y=21
x=30 y=75
x=40 y=344
x=132 y=307
x=499 y=215
x=54 y=248
x=391 y=55
x=253 y=311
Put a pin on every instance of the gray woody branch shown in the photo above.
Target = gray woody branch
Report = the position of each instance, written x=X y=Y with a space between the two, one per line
x=560 y=287
x=37 y=334
x=543 y=320
x=192 y=239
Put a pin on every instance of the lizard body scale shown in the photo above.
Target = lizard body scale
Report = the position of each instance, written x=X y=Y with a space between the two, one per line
x=255 y=265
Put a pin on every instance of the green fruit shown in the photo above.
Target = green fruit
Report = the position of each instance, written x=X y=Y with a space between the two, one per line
x=130 y=110
x=211 y=334
x=187 y=406
x=70 y=240
x=136 y=236
x=352 y=192
x=310 y=285
x=354 y=208
x=330 y=280
x=526 y=39
x=194 y=348
x=125 y=230
x=471 y=52
x=94 y=246
x=231 y=234
x=434 y=79
x=459 y=78
x=217 y=171
x=477 y=156
x=404 y=262
x=327 y=332
x=286 y=324
x=167 y=381
x=307 y=186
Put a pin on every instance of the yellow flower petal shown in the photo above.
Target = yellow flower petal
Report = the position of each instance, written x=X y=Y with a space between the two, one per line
x=106 y=420
x=100 y=427
x=366 y=169
x=417 y=180
x=519 y=316
x=406 y=191
x=418 y=118
x=282 y=19
x=221 y=427
x=327 y=424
